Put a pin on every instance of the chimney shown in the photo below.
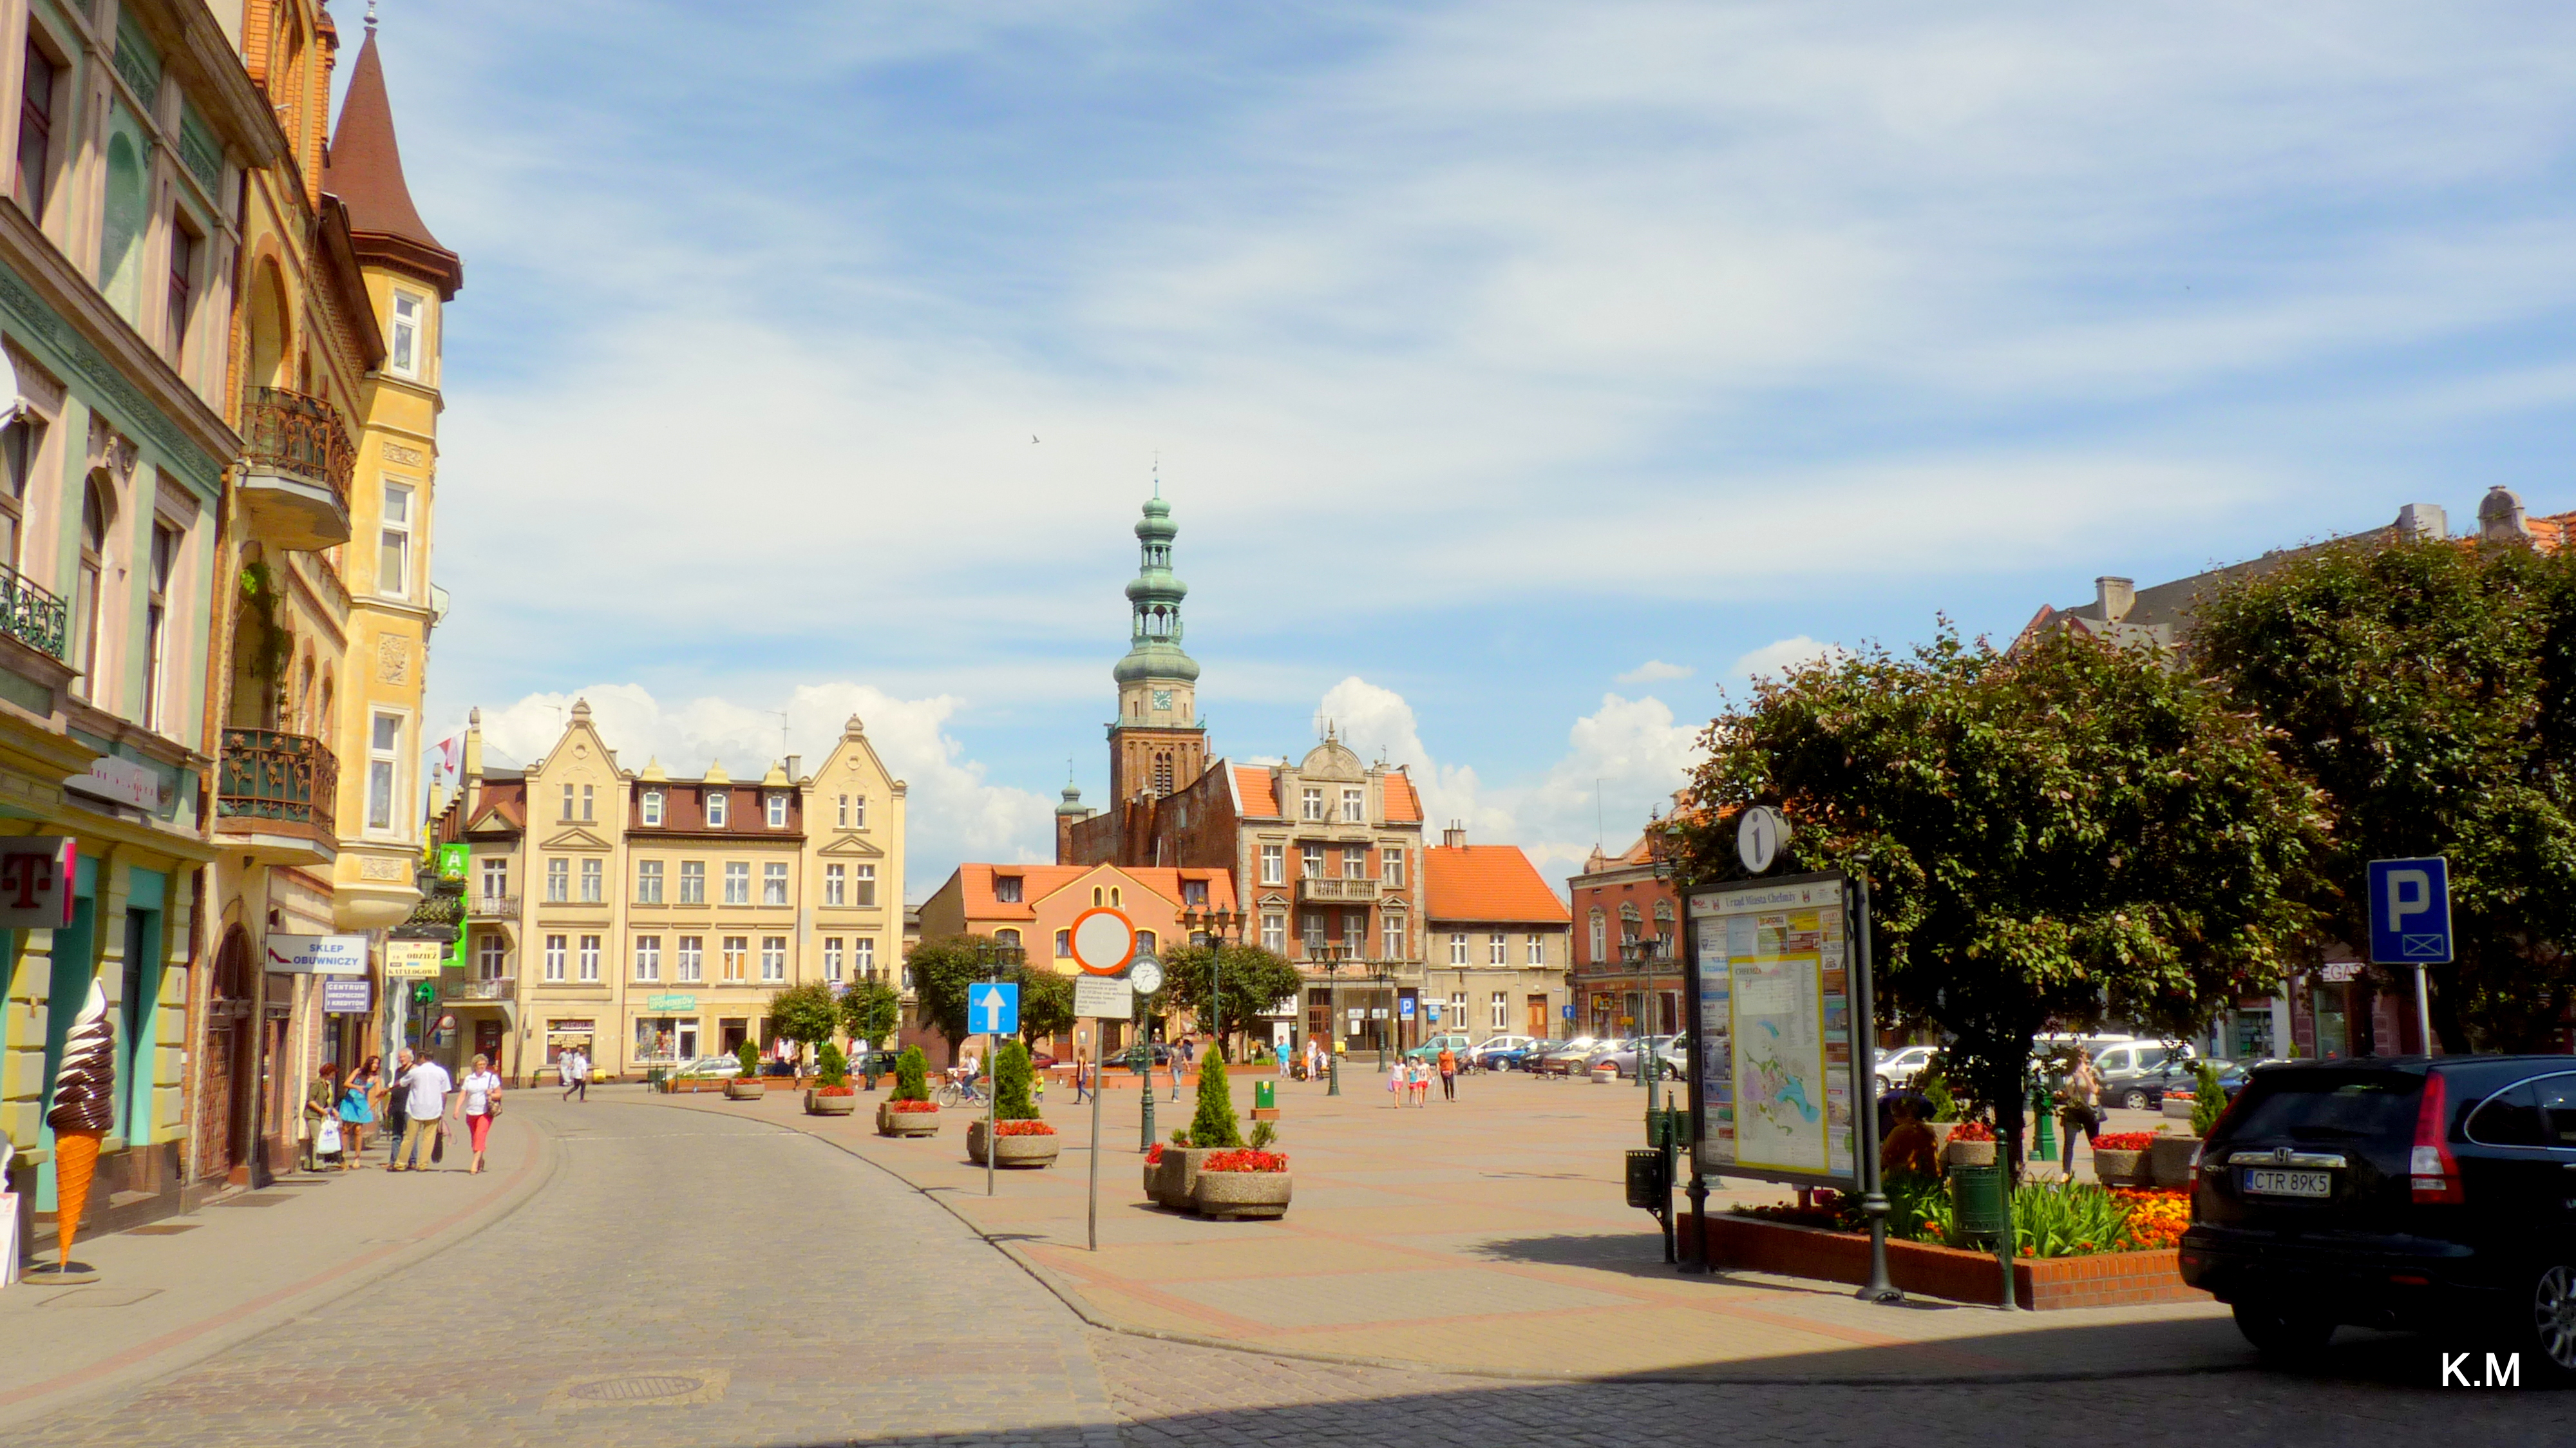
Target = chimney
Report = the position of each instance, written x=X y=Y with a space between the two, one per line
x=2500 y=517
x=2115 y=597
x=2423 y=521
x=796 y=771
x=1454 y=837
x=472 y=766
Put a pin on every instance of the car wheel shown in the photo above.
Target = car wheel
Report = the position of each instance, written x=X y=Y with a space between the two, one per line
x=2550 y=1336
x=2284 y=1338
x=2136 y=1101
x=1881 y=1083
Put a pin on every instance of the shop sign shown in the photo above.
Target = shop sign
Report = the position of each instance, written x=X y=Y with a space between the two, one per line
x=412 y=959
x=318 y=954
x=126 y=781
x=452 y=861
x=36 y=875
x=2336 y=970
x=571 y=1028
x=344 y=995
x=668 y=1004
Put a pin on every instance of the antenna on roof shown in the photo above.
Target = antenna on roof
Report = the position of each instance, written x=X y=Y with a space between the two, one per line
x=782 y=728
x=1158 y=472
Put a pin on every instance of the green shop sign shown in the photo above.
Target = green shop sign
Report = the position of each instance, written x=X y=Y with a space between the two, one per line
x=670 y=1004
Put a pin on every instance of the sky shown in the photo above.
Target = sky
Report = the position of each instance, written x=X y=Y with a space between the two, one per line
x=1523 y=378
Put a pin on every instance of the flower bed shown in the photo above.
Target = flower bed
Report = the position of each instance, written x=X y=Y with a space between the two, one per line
x=913 y=1105
x=1024 y=1128
x=836 y=1090
x=1245 y=1159
x=2125 y=1141
x=1154 y=1155
x=2156 y=1218
x=1972 y=1131
x=2104 y=1279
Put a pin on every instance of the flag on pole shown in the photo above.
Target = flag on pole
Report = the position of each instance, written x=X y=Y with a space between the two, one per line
x=451 y=753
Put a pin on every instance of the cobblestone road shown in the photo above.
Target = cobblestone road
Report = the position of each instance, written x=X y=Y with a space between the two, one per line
x=695 y=1280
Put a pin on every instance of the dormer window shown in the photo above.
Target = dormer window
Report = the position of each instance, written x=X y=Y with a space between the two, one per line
x=778 y=811
x=653 y=807
x=1194 y=892
x=1312 y=800
x=1006 y=889
x=715 y=809
x=1354 y=806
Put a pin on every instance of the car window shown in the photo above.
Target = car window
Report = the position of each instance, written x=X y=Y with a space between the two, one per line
x=2156 y=1057
x=2331 y=1106
x=2509 y=1118
x=2558 y=1108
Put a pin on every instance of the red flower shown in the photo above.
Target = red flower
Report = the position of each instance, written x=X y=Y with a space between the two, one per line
x=836 y=1090
x=1972 y=1131
x=1245 y=1160
x=2124 y=1141
x=1023 y=1128
x=914 y=1105
x=1154 y=1157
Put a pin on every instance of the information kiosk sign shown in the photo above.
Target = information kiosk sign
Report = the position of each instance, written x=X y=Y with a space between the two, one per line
x=1771 y=968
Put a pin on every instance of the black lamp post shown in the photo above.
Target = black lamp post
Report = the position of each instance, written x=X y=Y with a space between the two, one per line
x=1222 y=928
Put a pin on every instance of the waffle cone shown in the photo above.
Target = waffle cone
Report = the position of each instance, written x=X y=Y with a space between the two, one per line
x=75 y=1162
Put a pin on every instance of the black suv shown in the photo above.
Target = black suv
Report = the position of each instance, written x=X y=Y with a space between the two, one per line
x=2401 y=1192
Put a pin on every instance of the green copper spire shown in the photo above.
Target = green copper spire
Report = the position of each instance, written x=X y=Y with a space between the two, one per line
x=1154 y=602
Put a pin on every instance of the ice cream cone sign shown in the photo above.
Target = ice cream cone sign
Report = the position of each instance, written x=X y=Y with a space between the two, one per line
x=84 y=1107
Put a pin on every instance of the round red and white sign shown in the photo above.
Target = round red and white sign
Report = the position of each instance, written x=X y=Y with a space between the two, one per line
x=1104 y=940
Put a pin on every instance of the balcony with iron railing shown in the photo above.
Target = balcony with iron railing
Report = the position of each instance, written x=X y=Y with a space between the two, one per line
x=276 y=794
x=31 y=615
x=492 y=907
x=502 y=989
x=297 y=460
x=1329 y=889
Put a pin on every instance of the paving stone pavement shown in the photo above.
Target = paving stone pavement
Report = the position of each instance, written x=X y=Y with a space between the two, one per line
x=776 y=1291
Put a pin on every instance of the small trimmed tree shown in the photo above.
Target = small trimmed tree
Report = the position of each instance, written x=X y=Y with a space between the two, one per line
x=1213 y=1126
x=831 y=1068
x=911 y=1076
x=749 y=1055
x=1011 y=1084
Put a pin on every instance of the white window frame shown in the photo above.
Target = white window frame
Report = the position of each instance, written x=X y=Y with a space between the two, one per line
x=773 y=883
x=588 y=803
x=559 y=881
x=406 y=333
x=776 y=804
x=716 y=809
x=1274 y=938
x=555 y=945
x=736 y=951
x=863 y=957
x=858 y=811
x=384 y=767
x=1498 y=951
x=1274 y=864
x=1310 y=862
x=693 y=882
x=1502 y=1004
x=773 y=959
x=653 y=808
x=832 y=965
x=689 y=959
x=594 y=881
x=567 y=804
x=1393 y=935
x=588 y=959
x=495 y=871
x=1391 y=866
x=836 y=884
x=1310 y=803
x=1458 y=956
x=1538 y=956
x=1354 y=806
x=648 y=882
x=492 y=957
x=648 y=957
x=394 y=535
x=863 y=886
x=737 y=882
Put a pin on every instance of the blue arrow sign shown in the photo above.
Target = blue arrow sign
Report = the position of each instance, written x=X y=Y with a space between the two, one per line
x=993 y=1009
x=2410 y=911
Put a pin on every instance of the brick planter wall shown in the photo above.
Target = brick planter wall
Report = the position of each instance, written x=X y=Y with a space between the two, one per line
x=2108 y=1279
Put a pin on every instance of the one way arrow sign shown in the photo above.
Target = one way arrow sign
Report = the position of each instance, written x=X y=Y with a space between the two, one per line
x=993 y=1009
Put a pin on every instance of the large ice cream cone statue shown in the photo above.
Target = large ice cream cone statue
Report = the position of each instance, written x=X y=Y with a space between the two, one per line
x=84 y=1108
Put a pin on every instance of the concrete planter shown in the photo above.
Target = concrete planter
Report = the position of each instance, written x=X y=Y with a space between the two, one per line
x=818 y=1104
x=2120 y=1168
x=2169 y=1160
x=1176 y=1181
x=1240 y=1195
x=1969 y=1153
x=738 y=1089
x=2178 y=1104
x=1012 y=1150
x=891 y=1122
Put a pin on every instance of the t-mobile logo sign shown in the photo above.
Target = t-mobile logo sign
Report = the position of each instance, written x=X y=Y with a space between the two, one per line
x=36 y=875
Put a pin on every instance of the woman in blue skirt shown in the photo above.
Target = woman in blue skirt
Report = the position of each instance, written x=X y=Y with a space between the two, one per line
x=358 y=1108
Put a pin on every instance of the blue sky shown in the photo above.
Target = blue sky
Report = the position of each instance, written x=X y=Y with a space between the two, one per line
x=1491 y=353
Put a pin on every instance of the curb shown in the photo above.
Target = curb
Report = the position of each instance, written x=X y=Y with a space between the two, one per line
x=27 y=1406
x=1073 y=1302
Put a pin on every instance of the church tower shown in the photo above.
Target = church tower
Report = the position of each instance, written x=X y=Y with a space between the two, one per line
x=1157 y=745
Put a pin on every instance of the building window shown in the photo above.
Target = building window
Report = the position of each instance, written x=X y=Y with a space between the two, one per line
x=384 y=757
x=590 y=957
x=183 y=287
x=19 y=444
x=1064 y=951
x=1355 y=812
x=863 y=959
x=1457 y=1010
x=567 y=814
x=1391 y=860
x=496 y=886
x=403 y=346
x=1355 y=863
x=693 y=968
x=832 y=971
x=555 y=966
x=836 y=891
x=1630 y=924
x=842 y=819
x=858 y=811
x=648 y=961
x=36 y=132
x=737 y=882
x=393 y=548
x=586 y=814
x=1394 y=946
x=592 y=890
x=1194 y=892
x=653 y=817
x=492 y=962
x=91 y=596
x=559 y=890
x=1538 y=956
x=1310 y=866
x=737 y=949
x=1458 y=956
x=156 y=623
x=1006 y=889
x=773 y=958
x=778 y=814
x=693 y=890
x=1145 y=946
x=648 y=887
x=773 y=883
x=1163 y=784
x=1355 y=931
x=1663 y=929
x=1007 y=938
x=1274 y=938
x=1311 y=802
x=1313 y=921
x=1274 y=871
x=866 y=883
x=1494 y=1022
x=1498 y=951
x=1601 y=951
x=716 y=819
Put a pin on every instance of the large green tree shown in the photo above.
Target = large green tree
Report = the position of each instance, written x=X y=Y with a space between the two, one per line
x=2429 y=688
x=807 y=1014
x=1046 y=1003
x=1250 y=979
x=2062 y=833
x=942 y=969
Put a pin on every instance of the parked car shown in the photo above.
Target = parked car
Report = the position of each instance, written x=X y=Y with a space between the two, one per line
x=1899 y=1068
x=871 y=1063
x=1485 y=1052
x=2175 y=1073
x=1620 y=1058
x=1526 y=1058
x=713 y=1067
x=2134 y=1073
x=2400 y=1193
x=1430 y=1050
x=1568 y=1057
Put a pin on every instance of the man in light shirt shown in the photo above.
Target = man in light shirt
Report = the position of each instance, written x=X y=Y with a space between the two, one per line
x=424 y=1089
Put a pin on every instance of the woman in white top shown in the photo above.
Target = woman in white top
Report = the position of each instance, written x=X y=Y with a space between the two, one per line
x=482 y=1103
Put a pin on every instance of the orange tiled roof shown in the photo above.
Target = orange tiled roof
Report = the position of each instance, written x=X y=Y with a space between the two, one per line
x=1404 y=806
x=1260 y=800
x=2550 y=534
x=1486 y=882
x=1037 y=882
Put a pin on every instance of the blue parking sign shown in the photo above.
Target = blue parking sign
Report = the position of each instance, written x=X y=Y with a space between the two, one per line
x=993 y=1008
x=2410 y=911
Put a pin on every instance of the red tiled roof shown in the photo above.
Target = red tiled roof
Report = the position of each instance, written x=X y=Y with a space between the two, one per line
x=2551 y=533
x=364 y=169
x=1486 y=882
x=1260 y=801
x=684 y=809
x=505 y=798
x=1037 y=882
x=1403 y=806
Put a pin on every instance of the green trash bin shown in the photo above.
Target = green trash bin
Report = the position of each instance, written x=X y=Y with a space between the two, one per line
x=1265 y=1096
x=1977 y=1201
x=1648 y=1187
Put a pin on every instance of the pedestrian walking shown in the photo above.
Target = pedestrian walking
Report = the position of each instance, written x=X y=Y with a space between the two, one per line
x=581 y=1074
x=424 y=1088
x=1449 y=1076
x=391 y=1096
x=482 y=1105
x=322 y=1117
x=1421 y=1082
x=1080 y=1093
x=358 y=1109
x=1396 y=1084
x=1285 y=1055
x=2079 y=1106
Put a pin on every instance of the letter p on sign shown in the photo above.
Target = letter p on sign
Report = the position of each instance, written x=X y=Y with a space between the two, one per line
x=2410 y=911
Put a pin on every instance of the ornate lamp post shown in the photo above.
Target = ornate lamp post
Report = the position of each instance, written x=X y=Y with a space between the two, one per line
x=1222 y=928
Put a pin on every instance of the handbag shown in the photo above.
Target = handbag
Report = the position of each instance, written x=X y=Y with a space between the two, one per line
x=326 y=1137
x=438 y=1143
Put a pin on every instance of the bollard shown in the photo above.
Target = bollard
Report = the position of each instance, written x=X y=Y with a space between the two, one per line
x=1333 y=1078
x=2043 y=1146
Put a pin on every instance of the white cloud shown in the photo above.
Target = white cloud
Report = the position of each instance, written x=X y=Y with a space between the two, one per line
x=953 y=812
x=1772 y=658
x=1622 y=759
x=1654 y=671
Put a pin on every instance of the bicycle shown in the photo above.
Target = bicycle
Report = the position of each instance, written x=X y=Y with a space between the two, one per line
x=951 y=1093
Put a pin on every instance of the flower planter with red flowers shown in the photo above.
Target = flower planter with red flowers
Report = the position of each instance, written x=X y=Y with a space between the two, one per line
x=1242 y=1184
x=1173 y=1178
x=1014 y=1143
x=2120 y=1159
x=908 y=1118
x=744 y=1088
x=2171 y=1160
x=831 y=1101
x=1971 y=1143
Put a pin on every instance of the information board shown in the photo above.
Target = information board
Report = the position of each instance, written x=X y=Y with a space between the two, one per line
x=1772 y=960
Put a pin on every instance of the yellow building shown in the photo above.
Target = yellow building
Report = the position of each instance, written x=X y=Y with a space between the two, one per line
x=648 y=919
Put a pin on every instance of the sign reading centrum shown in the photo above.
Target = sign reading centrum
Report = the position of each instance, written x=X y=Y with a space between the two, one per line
x=1775 y=1017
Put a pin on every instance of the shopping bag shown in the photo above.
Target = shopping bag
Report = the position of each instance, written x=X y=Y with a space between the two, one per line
x=326 y=1137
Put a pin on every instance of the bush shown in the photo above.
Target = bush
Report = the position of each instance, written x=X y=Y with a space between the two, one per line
x=1011 y=1084
x=2208 y=1098
x=1263 y=1133
x=1934 y=1083
x=911 y=1073
x=1214 y=1126
x=749 y=1055
x=831 y=1068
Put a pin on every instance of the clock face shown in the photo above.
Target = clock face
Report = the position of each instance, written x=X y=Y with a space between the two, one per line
x=1146 y=975
x=1162 y=698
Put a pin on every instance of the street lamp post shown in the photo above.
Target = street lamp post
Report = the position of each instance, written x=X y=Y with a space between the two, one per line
x=1222 y=928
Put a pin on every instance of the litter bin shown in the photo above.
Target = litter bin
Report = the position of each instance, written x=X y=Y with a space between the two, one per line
x=1265 y=1096
x=1648 y=1189
x=1666 y=1126
x=1977 y=1201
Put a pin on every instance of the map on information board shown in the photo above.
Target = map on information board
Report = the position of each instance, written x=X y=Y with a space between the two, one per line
x=1774 y=1012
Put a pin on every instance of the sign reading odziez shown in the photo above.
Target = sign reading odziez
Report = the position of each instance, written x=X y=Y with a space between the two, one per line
x=318 y=954
x=36 y=874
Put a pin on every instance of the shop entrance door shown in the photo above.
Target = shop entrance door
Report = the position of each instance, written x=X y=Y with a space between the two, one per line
x=1538 y=1024
x=689 y=1052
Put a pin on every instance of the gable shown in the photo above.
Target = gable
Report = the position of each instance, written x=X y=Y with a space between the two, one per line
x=852 y=846
x=575 y=839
